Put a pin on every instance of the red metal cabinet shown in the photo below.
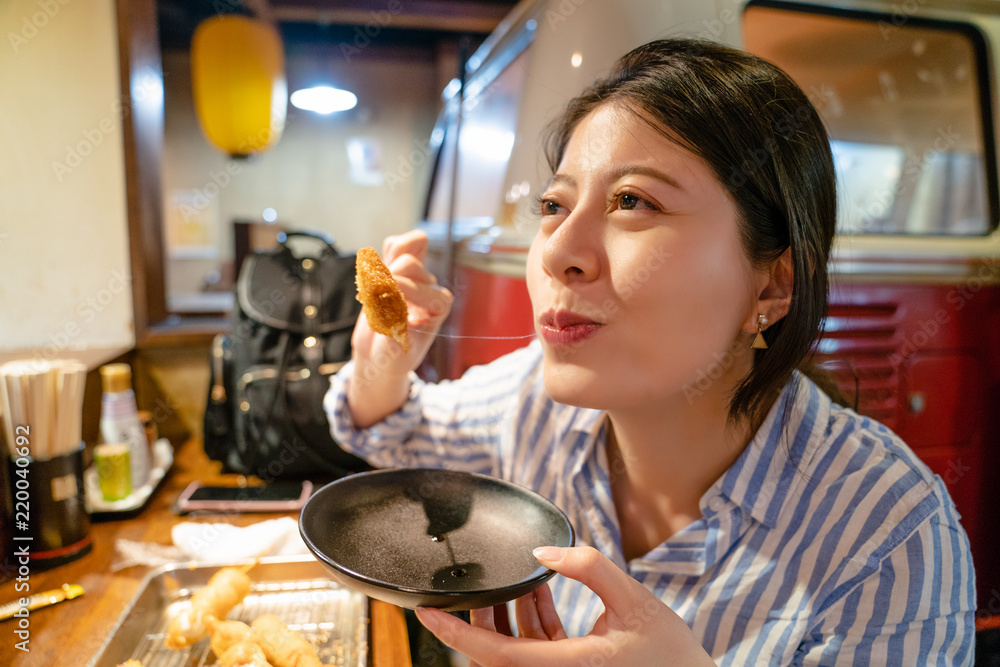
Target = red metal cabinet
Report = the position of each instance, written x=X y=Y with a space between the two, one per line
x=922 y=359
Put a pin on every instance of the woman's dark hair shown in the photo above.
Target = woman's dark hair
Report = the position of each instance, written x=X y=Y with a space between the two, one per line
x=767 y=146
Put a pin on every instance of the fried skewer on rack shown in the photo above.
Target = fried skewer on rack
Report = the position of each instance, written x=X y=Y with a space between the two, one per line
x=225 y=590
x=283 y=646
x=384 y=305
x=234 y=645
x=226 y=633
x=243 y=654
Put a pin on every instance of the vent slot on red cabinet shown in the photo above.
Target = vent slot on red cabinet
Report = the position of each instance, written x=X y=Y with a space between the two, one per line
x=857 y=350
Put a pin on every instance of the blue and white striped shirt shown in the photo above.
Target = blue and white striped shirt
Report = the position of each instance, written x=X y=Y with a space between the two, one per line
x=827 y=542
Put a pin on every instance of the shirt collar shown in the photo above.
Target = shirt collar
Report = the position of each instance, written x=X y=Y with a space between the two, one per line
x=767 y=476
x=770 y=472
x=587 y=420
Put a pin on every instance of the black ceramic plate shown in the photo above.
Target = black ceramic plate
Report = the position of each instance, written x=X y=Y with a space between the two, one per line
x=432 y=538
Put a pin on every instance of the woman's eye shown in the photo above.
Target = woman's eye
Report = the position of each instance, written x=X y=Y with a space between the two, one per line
x=549 y=207
x=630 y=202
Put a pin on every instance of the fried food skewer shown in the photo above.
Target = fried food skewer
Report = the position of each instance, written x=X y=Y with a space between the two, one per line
x=243 y=654
x=283 y=646
x=226 y=633
x=384 y=305
x=225 y=590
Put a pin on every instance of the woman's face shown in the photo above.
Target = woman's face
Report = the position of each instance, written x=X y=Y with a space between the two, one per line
x=640 y=288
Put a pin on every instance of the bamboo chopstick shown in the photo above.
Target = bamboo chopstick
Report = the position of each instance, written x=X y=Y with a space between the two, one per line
x=46 y=397
x=13 y=408
x=8 y=424
x=70 y=377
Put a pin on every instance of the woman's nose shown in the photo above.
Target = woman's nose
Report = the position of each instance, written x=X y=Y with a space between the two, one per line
x=572 y=251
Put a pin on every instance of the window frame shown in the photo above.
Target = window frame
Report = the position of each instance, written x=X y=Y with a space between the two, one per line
x=142 y=127
x=984 y=70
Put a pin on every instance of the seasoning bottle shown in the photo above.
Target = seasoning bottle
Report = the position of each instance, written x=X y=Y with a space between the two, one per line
x=120 y=419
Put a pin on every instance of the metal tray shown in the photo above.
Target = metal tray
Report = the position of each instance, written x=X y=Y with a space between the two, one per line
x=297 y=590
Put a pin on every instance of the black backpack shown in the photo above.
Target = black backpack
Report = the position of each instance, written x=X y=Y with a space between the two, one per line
x=291 y=330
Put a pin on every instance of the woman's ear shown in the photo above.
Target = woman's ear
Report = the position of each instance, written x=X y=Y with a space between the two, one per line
x=774 y=290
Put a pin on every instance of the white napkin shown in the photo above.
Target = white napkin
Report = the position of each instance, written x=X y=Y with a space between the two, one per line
x=223 y=542
x=214 y=543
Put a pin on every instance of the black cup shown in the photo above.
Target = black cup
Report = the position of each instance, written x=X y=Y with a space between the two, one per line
x=48 y=522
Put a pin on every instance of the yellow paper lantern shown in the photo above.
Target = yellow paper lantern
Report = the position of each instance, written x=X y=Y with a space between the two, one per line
x=238 y=80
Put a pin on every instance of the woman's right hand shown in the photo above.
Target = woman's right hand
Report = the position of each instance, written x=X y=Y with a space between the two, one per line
x=380 y=382
x=636 y=627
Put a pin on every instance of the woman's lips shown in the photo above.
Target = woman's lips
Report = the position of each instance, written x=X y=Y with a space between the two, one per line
x=566 y=328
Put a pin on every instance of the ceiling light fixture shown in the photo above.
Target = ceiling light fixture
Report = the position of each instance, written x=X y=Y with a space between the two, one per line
x=324 y=99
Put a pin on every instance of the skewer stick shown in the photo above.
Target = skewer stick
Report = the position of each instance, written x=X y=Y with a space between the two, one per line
x=249 y=566
x=8 y=422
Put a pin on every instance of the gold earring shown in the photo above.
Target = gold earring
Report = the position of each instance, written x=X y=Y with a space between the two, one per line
x=758 y=342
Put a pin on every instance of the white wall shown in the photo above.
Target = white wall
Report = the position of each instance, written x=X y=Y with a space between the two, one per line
x=63 y=238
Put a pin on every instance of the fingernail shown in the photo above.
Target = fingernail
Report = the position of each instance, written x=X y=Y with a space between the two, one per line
x=549 y=554
x=429 y=619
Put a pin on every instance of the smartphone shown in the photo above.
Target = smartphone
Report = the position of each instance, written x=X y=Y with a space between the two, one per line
x=273 y=497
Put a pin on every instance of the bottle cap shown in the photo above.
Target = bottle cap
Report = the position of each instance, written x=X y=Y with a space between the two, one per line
x=116 y=378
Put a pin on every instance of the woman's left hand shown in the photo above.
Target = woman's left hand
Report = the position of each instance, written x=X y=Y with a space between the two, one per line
x=636 y=628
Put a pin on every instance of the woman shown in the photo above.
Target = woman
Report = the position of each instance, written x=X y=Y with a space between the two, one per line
x=726 y=508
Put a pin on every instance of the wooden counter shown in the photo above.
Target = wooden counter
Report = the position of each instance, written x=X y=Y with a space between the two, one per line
x=68 y=634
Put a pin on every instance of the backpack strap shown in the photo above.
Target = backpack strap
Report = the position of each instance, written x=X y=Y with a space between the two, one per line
x=327 y=241
x=279 y=391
